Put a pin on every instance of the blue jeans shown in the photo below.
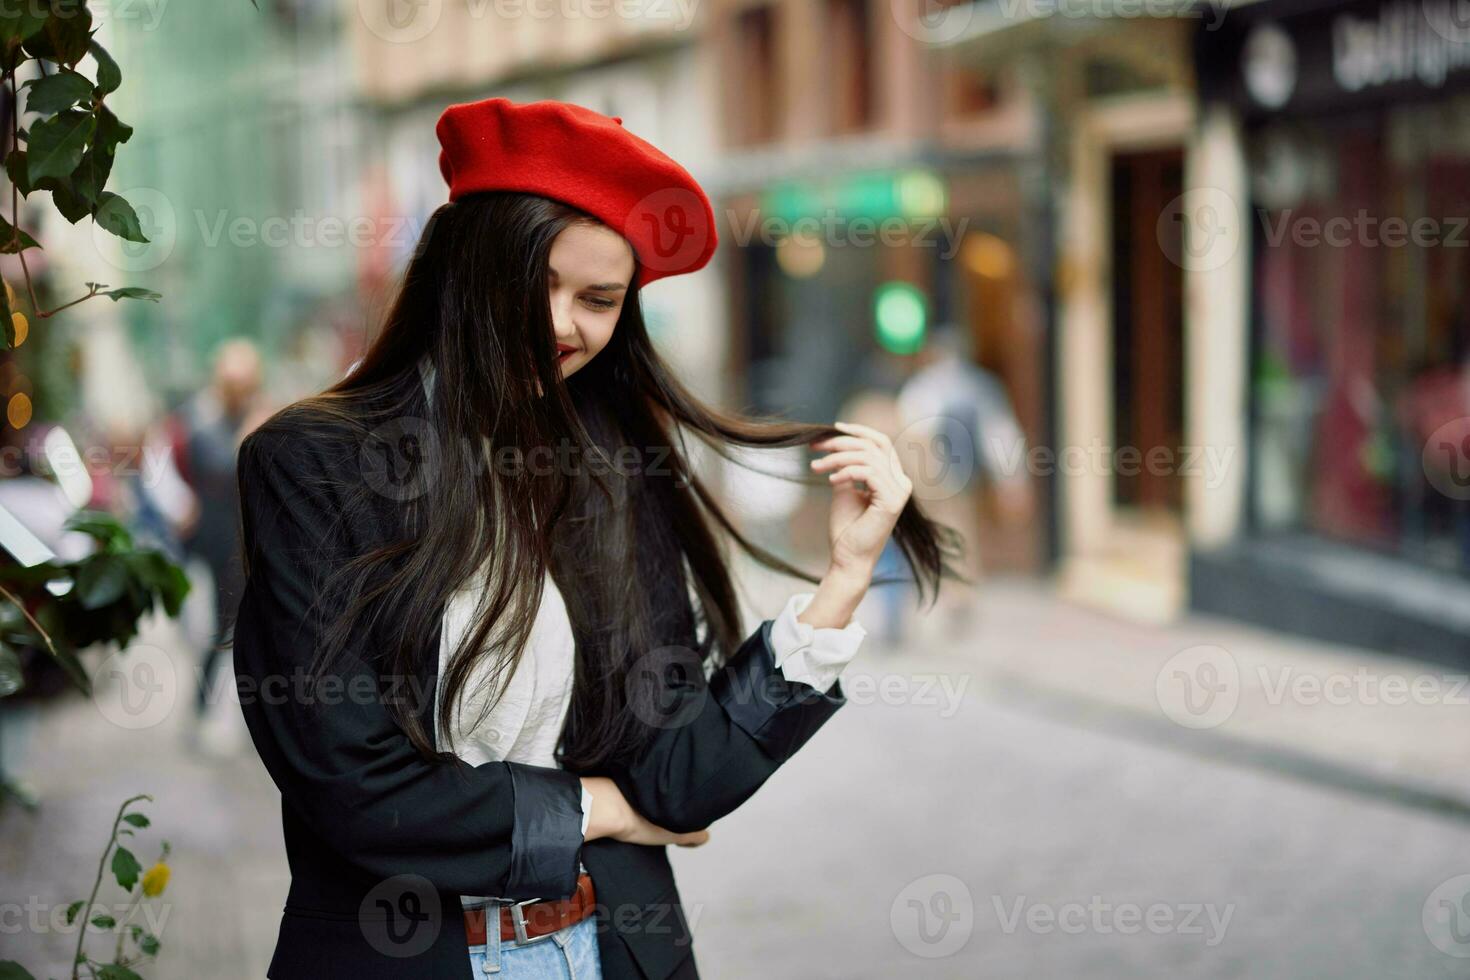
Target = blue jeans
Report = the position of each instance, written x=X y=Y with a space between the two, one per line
x=569 y=953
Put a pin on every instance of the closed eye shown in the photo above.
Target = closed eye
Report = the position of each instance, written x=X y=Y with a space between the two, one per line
x=598 y=303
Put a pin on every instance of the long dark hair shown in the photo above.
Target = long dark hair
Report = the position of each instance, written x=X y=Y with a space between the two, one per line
x=625 y=544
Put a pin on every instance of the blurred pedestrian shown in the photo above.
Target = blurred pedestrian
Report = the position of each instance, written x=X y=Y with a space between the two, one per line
x=215 y=421
x=957 y=420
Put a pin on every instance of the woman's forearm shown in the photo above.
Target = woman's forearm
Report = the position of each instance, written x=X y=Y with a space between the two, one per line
x=837 y=598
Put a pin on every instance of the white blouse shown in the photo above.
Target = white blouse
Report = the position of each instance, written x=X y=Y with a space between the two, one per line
x=525 y=724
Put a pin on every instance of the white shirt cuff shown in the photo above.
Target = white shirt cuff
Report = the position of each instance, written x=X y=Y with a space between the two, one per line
x=586 y=810
x=810 y=654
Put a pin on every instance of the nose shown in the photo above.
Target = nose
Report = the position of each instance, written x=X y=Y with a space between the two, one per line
x=563 y=326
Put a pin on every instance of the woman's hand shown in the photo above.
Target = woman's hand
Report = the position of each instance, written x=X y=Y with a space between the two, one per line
x=862 y=518
x=613 y=816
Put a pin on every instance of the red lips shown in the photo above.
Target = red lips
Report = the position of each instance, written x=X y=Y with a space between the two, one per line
x=563 y=351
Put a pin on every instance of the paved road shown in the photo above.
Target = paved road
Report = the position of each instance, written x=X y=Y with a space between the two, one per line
x=940 y=826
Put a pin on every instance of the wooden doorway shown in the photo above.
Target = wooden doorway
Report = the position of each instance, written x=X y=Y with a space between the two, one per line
x=1148 y=330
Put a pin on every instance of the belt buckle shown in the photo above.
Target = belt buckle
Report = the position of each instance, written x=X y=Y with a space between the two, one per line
x=518 y=922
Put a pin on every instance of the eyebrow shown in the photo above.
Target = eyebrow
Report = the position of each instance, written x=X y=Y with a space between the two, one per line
x=603 y=287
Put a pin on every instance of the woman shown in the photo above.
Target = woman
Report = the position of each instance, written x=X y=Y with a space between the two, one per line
x=489 y=647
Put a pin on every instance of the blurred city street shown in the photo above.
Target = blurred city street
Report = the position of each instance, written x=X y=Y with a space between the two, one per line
x=956 y=819
x=1163 y=309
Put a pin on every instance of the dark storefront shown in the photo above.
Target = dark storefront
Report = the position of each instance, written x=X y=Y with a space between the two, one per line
x=1356 y=121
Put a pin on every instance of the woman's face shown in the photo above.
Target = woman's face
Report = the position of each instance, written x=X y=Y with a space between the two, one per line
x=591 y=267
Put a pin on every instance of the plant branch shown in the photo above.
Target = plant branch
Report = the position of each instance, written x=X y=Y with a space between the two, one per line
x=135 y=898
x=30 y=619
x=15 y=193
x=101 y=869
x=42 y=314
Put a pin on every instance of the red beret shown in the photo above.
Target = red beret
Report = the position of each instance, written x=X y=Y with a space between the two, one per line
x=588 y=160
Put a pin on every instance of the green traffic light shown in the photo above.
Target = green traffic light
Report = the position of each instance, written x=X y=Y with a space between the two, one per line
x=901 y=317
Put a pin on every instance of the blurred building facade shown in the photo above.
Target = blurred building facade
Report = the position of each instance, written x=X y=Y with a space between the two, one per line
x=1354 y=122
x=1108 y=199
x=246 y=186
x=1142 y=348
x=861 y=164
x=1302 y=391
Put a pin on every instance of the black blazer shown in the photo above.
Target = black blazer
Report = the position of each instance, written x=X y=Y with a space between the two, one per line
x=381 y=843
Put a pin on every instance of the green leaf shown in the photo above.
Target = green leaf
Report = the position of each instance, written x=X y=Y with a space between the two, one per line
x=67 y=33
x=149 y=944
x=5 y=316
x=111 y=131
x=72 y=910
x=133 y=292
x=52 y=93
x=104 y=921
x=101 y=581
x=15 y=169
x=19 y=19
x=12 y=678
x=100 y=525
x=136 y=819
x=71 y=207
x=163 y=577
x=11 y=970
x=91 y=176
x=125 y=868
x=57 y=144
x=67 y=657
x=9 y=244
x=114 y=971
x=116 y=215
x=109 y=76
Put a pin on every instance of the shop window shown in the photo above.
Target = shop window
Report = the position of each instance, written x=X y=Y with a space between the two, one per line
x=1363 y=319
x=757 y=104
x=850 y=65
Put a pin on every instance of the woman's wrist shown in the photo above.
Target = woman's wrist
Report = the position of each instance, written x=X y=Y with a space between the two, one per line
x=837 y=597
x=608 y=818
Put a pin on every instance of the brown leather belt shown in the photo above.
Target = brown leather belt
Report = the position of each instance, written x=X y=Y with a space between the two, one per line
x=522 y=923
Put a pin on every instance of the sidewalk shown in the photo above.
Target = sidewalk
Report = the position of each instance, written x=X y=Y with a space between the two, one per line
x=1363 y=720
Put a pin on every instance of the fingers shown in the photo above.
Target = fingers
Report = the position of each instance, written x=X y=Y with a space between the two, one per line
x=866 y=430
x=842 y=442
x=867 y=455
x=693 y=839
x=856 y=471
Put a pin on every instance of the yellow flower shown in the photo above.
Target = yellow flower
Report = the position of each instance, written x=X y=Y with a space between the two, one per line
x=155 y=879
